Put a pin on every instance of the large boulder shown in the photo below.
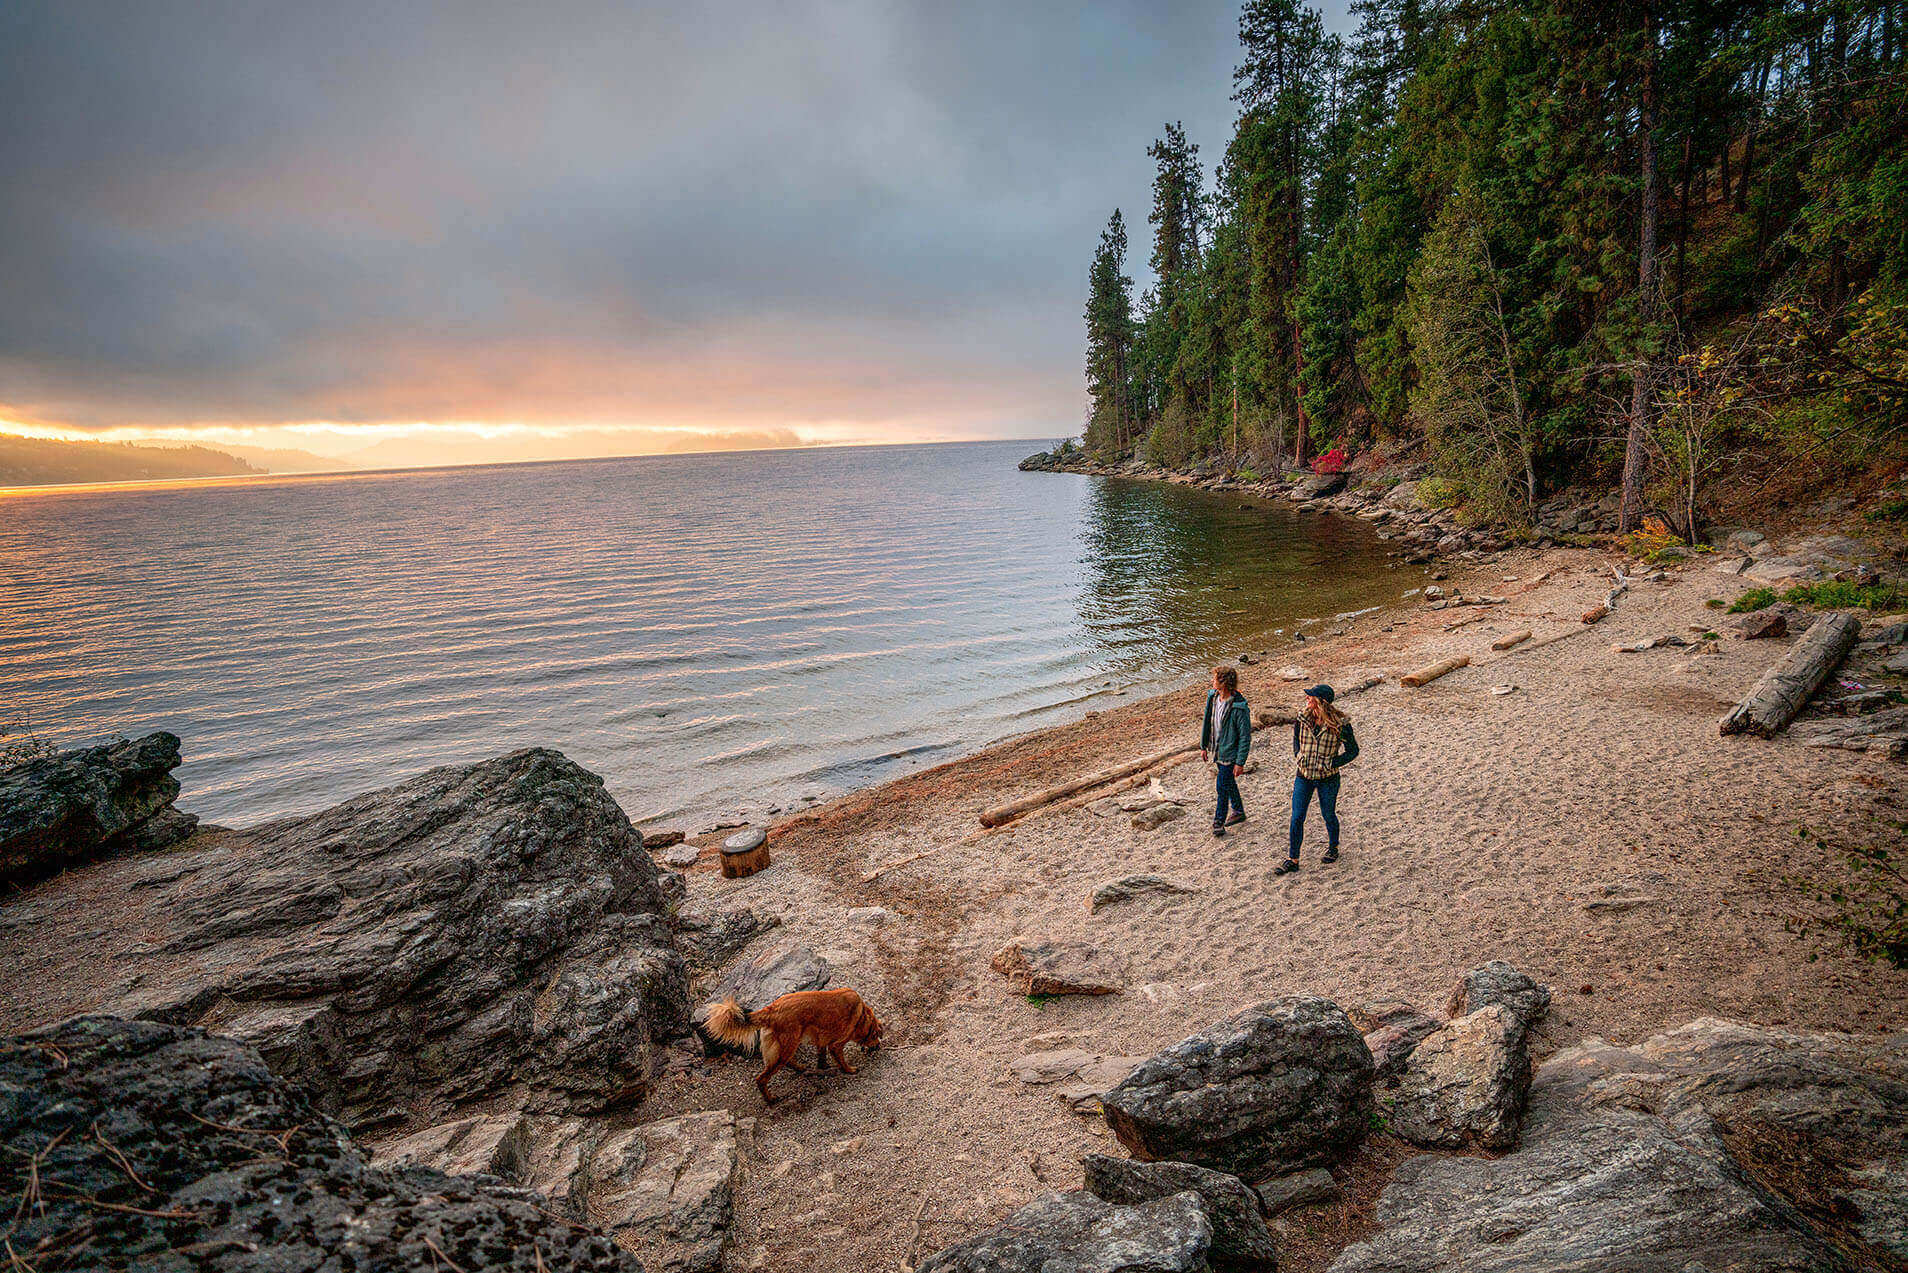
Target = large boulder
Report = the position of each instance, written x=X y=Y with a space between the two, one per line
x=1465 y=1083
x=1274 y=1088
x=1079 y=1233
x=1039 y=966
x=1718 y=1145
x=73 y=806
x=478 y=927
x=1240 y=1239
x=159 y=1147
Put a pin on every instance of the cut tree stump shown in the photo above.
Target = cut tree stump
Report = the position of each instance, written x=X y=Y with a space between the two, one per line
x=1516 y=638
x=744 y=853
x=1785 y=688
x=1425 y=675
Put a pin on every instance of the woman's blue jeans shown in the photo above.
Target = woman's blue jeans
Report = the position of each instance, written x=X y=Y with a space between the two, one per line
x=1302 y=789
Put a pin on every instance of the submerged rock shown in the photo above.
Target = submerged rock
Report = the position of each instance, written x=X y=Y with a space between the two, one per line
x=1272 y=1089
x=478 y=926
x=1240 y=1239
x=71 y=807
x=1718 y=1145
x=157 y=1146
x=1079 y=1233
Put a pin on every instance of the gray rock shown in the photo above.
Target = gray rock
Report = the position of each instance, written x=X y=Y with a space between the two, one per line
x=1079 y=1233
x=1403 y=496
x=1158 y=815
x=745 y=839
x=1078 y=1077
x=654 y=840
x=1498 y=982
x=1272 y=1089
x=1394 y=1037
x=1888 y=634
x=486 y=1145
x=1466 y=1083
x=193 y=1145
x=667 y=1189
x=1037 y=966
x=479 y=926
x=71 y=807
x=709 y=938
x=756 y=983
x=1319 y=485
x=1299 y=1189
x=1762 y=624
x=1240 y=1239
x=1634 y=1158
x=1128 y=887
x=682 y=855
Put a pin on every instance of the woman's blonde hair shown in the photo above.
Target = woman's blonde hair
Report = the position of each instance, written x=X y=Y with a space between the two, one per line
x=1322 y=713
x=1228 y=678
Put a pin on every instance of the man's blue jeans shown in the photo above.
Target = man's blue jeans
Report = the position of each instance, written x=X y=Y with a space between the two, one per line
x=1228 y=796
x=1302 y=789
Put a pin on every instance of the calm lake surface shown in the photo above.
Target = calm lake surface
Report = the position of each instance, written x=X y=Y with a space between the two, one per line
x=715 y=634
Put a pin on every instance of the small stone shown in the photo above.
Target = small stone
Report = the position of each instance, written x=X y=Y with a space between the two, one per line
x=685 y=855
x=653 y=840
x=1157 y=816
x=1299 y=1189
x=1128 y=887
x=1037 y=967
x=1763 y=623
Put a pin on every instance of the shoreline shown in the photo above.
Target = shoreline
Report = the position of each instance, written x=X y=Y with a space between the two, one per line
x=1565 y=827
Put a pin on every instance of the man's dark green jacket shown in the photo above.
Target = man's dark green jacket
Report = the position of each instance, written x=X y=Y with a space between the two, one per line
x=1230 y=742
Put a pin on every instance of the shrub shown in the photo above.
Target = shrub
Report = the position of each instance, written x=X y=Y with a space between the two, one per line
x=18 y=744
x=1333 y=461
x=1830 y=595
x=1894 y=510
x=1754 y=599
x=1248 y=475
x=1439 y=492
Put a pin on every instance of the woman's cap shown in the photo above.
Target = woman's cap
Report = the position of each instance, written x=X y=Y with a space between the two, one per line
x=1321 y=691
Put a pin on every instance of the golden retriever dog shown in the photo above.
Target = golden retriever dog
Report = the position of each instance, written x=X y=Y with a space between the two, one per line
x=832 y=1018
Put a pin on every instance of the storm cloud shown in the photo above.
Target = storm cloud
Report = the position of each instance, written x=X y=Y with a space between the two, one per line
x=845 y=219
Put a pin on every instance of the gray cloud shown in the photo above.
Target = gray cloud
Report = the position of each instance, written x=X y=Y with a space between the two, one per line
x=757 y=215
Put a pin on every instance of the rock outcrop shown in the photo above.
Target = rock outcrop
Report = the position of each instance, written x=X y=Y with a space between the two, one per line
x=1079 y=1233
x=1718 y=1145
x=1465 y=1083
x=68 y=808
x=1274 y=1088
x=155 y=1146
x=478 y=927
x=1498 y=982
x=1240 y=1239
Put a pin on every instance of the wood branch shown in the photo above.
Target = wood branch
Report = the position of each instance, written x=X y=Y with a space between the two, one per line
x=1516 y=638
x=1785 y=688
x=1425 y=675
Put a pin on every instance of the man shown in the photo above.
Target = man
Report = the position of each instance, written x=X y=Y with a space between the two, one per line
x=1225 y=736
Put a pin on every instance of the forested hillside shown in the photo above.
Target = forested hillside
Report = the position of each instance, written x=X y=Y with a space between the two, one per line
x=40 y=462
x=1542 y=241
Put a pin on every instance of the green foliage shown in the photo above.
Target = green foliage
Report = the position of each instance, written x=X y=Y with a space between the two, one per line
x=1438 y=492
x=1866 y=915
x=1894 y=510
x=1248 y=474
x=1754 y=599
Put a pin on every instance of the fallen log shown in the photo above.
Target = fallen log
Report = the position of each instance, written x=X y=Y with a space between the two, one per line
x=1266 y=717
x=1516 y=638
x=1013 y=809
x=1786 y=687
x=1425 y=675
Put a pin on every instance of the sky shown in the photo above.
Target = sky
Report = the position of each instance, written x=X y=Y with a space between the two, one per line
x=411 y=233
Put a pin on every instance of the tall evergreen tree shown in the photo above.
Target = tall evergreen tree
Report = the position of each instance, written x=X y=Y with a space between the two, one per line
x=1109 y=324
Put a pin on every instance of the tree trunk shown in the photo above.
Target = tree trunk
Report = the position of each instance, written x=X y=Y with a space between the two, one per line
x=1787 y=687
x=1682 y=225
x=1635 y=452
x=1749 y=144
x=1301 y=449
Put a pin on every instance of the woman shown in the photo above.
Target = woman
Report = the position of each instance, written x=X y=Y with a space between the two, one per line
x=1322 y=744
x=1226 y=737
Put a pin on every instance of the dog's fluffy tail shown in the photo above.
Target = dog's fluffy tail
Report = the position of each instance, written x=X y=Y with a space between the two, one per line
x=728 y=1022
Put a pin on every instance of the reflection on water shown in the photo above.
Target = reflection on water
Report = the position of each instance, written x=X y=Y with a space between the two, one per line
x=711 y=633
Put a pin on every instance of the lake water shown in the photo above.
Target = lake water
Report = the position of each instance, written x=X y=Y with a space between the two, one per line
x=712 y=633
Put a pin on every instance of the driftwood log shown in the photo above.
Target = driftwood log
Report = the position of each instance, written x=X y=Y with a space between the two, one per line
x=1013 y=809
x=1425 y=675
x=1516 y=638
x=1785 y=688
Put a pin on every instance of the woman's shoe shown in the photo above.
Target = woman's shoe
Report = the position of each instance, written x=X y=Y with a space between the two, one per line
x=1235 y=819
x=1286 y=867
x=1219 y=829
x=1331 y=854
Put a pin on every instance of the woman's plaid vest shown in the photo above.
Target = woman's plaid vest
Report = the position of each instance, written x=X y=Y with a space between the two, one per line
x=1317 y=751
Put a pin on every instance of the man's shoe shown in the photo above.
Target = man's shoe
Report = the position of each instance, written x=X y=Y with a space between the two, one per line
x=1235 y=819
x=1286 y=867
x=1219 y=829
x=1331 y=854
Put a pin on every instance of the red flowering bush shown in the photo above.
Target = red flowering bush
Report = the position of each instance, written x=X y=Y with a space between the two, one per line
x=1333 y=461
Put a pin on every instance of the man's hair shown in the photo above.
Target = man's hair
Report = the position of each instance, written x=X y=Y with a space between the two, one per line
x=1228 y=678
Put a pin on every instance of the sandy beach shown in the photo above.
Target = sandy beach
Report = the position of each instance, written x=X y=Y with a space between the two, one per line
x=1591 y=827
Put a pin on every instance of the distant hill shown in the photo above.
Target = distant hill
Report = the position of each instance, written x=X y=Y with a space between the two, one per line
x=40 y=462
x=282 y=459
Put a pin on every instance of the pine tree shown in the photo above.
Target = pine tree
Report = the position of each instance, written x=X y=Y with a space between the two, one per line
x=1109 y=323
